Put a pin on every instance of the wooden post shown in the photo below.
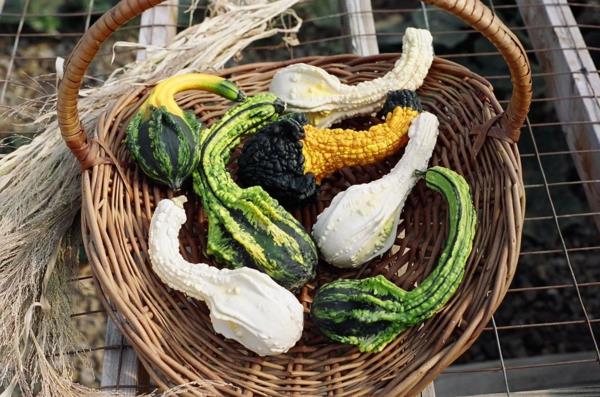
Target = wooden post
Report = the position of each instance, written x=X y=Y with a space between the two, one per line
x=360 y=25
x=429 y=391
x=158 y=26
x=551 y=24
x=120 y=366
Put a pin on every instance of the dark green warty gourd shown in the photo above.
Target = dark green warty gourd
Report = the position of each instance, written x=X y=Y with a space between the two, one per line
x=247 y=227
x=273 y=160
x=372 y=312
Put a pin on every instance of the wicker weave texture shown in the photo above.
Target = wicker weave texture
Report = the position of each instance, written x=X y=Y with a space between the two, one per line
x=173 y=335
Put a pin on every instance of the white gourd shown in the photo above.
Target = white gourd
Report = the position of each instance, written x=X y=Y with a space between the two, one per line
x=245 y=304
x=362 y=221
x=325 y=99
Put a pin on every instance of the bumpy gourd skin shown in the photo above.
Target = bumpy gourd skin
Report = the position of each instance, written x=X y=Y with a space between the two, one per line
x=246 y=226
x=361 y=222
x=273 y=159
x=372 y=312
x=326 y=100
x=288 y=158
x=245 y=304
x=328 y=150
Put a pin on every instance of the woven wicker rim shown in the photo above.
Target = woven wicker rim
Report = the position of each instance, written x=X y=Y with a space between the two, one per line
x=172 y=335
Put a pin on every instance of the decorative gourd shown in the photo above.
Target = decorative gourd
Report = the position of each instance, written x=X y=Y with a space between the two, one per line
x=371 y=312
x=245 y=304
x=310 y=89
x=246 y=227
x=162 y=138
x=288 y=158
x=362 y=221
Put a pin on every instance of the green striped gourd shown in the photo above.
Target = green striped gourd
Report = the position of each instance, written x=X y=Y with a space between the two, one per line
x=372 y=312
x=163 y=138
x=247 y=227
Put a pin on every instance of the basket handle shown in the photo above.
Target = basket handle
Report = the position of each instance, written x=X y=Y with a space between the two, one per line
x=472 y=12
x=68 y=90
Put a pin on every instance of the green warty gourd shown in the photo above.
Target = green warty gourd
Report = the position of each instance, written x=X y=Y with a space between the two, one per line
x=246 y=227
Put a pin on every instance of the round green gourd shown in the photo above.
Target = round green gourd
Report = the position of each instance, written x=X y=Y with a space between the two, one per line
x=163 y=138
x=165 y=146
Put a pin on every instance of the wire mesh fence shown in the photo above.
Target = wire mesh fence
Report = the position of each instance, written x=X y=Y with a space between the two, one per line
x=549 y=322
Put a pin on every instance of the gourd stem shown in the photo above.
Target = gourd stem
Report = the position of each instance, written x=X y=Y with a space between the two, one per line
x=164 y=92
x=180 y=201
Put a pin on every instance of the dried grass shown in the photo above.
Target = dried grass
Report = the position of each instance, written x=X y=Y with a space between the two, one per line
x=40 y=199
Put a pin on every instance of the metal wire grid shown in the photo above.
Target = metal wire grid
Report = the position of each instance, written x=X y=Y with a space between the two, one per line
x=573 y=281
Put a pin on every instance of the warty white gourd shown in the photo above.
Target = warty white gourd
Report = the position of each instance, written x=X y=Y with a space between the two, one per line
x=245 y=304
x=326 y=100
x=362 y=221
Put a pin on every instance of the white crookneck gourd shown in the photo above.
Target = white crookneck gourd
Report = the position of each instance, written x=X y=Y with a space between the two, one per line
x=362 y=221
x=325 y=99
x=245 y=304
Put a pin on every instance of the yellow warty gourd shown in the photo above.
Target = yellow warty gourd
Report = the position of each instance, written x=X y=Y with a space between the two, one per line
x=328 y=150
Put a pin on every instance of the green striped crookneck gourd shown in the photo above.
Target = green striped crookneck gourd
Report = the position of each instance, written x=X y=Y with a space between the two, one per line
x=247 y=227
x=372 y=312
x=162 y=138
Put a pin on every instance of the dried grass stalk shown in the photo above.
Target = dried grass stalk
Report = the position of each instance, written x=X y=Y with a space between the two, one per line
x=40 y=198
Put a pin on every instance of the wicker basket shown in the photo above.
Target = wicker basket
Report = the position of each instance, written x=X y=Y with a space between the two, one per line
x=173 y=336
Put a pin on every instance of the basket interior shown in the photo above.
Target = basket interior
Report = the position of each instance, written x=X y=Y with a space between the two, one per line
x=172 y=334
